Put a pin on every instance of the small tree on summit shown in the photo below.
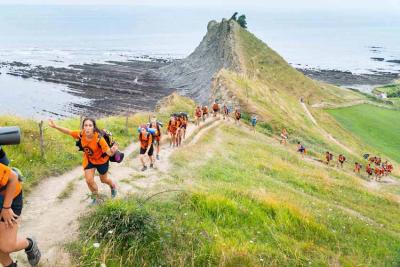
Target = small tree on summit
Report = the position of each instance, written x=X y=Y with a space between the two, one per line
x=241 y=20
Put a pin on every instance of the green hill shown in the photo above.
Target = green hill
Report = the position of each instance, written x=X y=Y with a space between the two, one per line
x=246 y=200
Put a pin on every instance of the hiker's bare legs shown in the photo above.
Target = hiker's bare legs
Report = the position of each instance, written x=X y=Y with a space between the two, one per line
x=105 y=180
x=89 y=177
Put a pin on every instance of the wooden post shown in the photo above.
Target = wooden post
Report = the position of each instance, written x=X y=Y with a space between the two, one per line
x=41 y=139
x=80 y=121
x=126 y=123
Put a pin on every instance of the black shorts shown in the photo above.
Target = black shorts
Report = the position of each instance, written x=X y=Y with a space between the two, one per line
x=102 y=168
x=16 y=204
x=143 y=151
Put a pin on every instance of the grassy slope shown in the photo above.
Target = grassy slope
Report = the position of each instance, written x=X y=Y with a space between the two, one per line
x=249 y=202
x=271 y=88
x=362 y=120
x=388 y=89
x=61 y=153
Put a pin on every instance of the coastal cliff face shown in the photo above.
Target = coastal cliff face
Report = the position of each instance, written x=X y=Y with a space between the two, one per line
x=193 y=75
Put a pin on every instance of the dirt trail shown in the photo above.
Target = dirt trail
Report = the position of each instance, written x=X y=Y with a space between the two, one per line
x=323 y=132
x=54 y=221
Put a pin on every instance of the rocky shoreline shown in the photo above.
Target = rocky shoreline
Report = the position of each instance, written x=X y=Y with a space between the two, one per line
x=137 y=85
x=112 y=87
x=347 y=78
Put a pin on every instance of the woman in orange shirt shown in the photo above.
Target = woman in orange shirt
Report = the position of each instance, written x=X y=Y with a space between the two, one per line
x=11 y=201
x=172 y=129
x=96 y=154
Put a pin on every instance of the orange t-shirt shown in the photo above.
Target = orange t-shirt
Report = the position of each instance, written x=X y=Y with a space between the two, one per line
x=173 y=126
x=145 y=140
x=4 y=176
x=93 y=149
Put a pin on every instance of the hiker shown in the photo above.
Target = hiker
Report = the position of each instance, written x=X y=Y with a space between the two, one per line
x=179 y=130
x=157 y=137
x=389 y=167
x=341 y=160
x=205 y=112
x=146 y=147
x=357 y=167
x=238 y=116
x=254 y=122
x=183 y=124
x=97 y=153
x=369 y=171
x=377 y=172
x=11 y=203
x=328 y=157
x=301 y=149
x=172 y=131
x=198 y=113
x=225 y=112
x=284 y=136
x=215 y=108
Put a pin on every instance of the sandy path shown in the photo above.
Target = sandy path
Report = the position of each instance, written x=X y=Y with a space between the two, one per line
x=54 y=221
x=323 y=132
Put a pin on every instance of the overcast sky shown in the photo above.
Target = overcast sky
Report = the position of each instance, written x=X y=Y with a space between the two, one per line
x=389 y=5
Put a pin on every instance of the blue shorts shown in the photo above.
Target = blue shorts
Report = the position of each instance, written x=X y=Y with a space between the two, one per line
x=253 y=122
x=16 y=204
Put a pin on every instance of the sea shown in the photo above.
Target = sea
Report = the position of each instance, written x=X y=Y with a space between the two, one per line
x=348 y=40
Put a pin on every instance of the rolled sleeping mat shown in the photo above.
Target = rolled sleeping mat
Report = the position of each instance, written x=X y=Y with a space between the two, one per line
x=10 y=135
x=150 y=130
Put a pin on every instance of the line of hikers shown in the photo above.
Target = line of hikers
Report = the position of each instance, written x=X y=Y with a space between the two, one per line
x=150 y=136
x=201 y=113
x=374 y=166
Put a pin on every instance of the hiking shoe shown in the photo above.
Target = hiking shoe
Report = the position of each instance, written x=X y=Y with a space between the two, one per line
x=34 y=253
x=157 y=157
x=113 y=191
x=144 y=168
x=93 y=202
x=151 y=165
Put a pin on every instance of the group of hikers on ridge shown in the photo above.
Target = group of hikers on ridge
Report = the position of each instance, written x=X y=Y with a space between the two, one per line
x=375 y=167
x=150 y=136
x=99 y=149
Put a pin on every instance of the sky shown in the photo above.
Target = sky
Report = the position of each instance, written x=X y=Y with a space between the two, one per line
x=389 y=5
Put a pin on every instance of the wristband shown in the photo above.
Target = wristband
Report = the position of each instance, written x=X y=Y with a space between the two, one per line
x=6 y=208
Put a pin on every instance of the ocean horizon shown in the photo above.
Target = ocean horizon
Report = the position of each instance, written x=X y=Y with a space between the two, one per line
x=63 y=35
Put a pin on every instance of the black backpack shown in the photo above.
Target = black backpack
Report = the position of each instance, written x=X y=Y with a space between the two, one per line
x=108 y=137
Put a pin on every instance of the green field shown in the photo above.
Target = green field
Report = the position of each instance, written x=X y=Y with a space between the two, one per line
x=377 y=127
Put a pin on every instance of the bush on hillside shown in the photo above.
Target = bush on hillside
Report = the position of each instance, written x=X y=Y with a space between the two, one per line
x=242 y=21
